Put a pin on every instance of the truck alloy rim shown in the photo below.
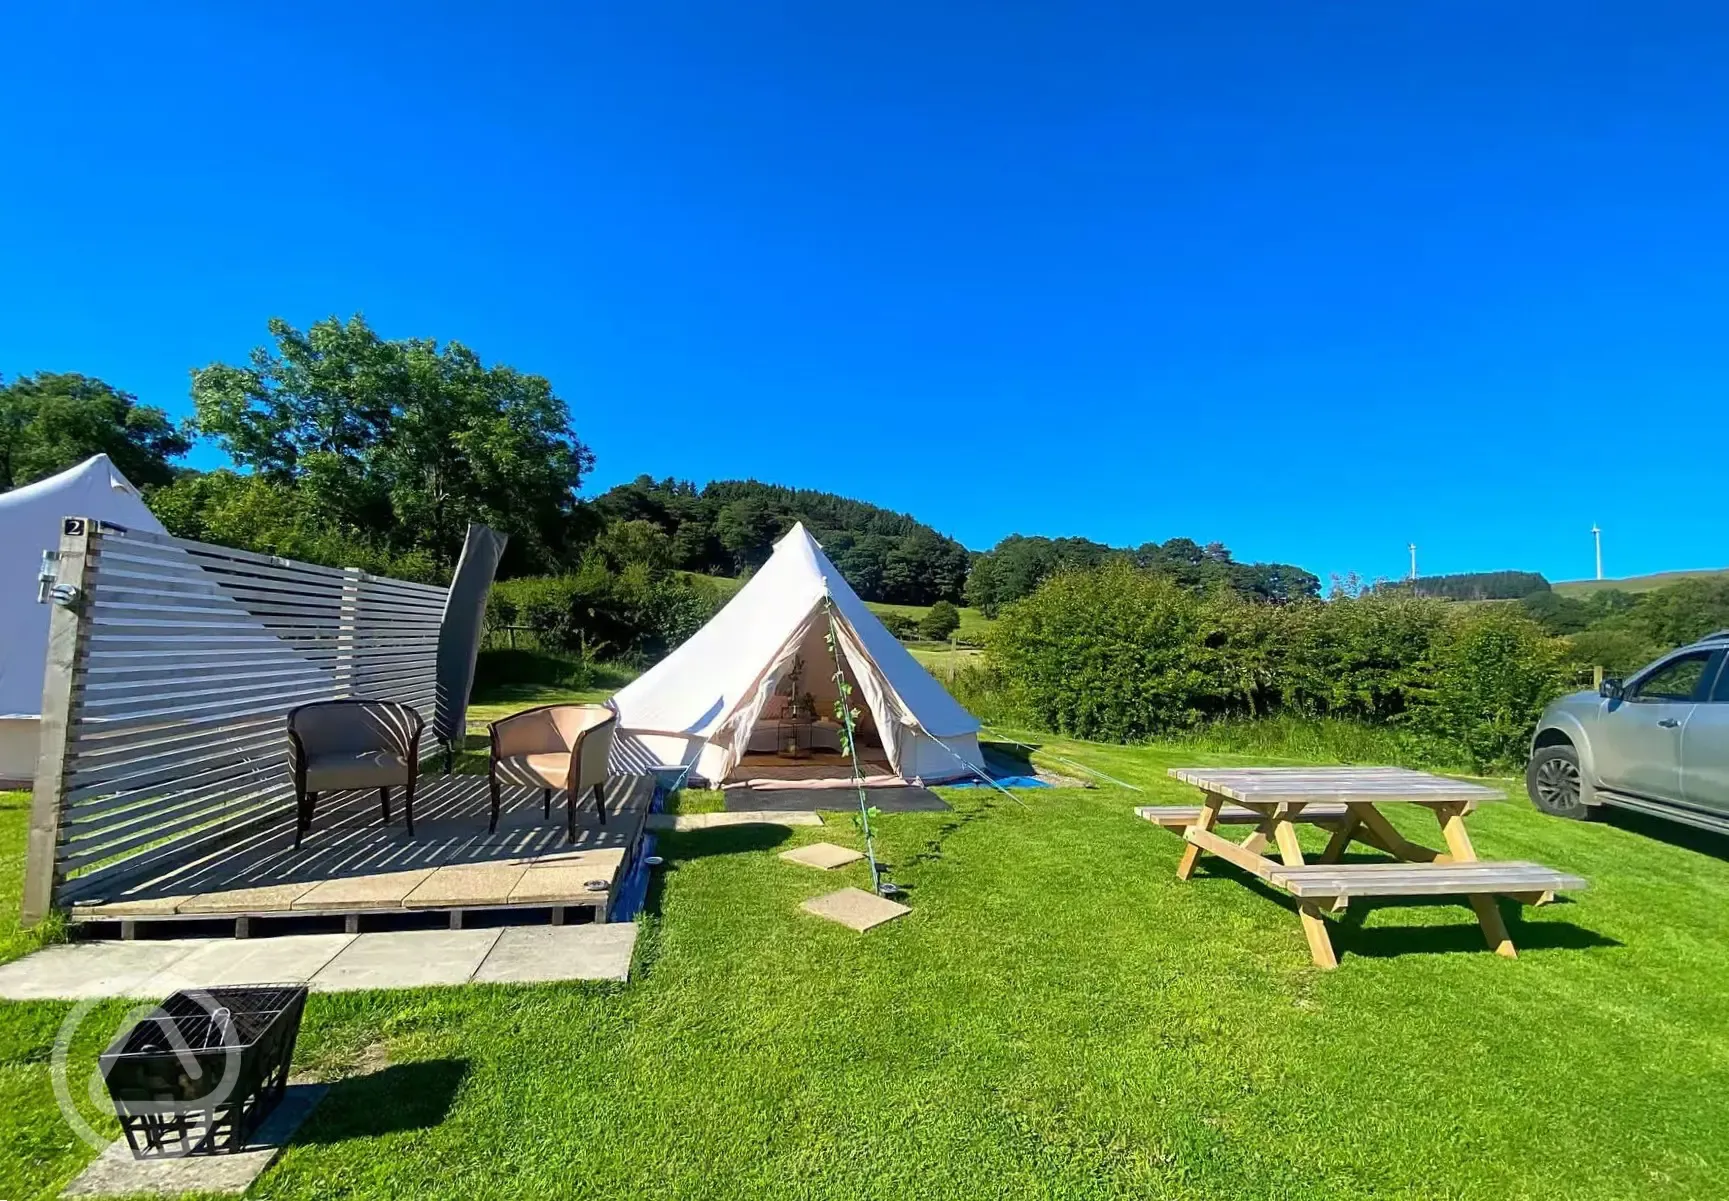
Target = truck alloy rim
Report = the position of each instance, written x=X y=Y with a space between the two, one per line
x=1558 y=782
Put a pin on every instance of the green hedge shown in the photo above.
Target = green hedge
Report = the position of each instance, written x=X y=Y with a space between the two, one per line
x=635 y=615
x=1117 y=653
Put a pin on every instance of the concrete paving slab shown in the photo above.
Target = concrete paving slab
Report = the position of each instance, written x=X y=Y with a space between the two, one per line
x=131 y=907
x=282 y=959
x=91 y=969
x=268 y=898
x=380 y=891
x=606 y=858
x=562 y=882
x=825 y=855
x=752 y=817
x=536 y=954
x=855 y=908
x=406 y=959
x=115 y=1173
x=467 y=884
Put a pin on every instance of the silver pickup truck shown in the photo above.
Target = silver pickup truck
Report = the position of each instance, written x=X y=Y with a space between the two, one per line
x=1658 y=742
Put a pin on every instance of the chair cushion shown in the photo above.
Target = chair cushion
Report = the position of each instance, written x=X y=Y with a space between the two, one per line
x=536 y=771
x=355 y=769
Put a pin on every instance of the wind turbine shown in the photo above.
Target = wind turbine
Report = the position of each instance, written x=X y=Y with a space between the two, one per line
x=1597 y=537
x=1413 y=550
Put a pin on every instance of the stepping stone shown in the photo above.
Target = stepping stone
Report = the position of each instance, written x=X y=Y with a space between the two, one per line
x=825 y=855
x=855 y=908
x=116 y=1174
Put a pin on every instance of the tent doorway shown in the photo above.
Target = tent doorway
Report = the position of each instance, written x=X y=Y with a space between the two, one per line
x=798 y=739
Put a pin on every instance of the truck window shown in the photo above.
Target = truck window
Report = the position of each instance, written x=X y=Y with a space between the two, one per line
x=1676 y=680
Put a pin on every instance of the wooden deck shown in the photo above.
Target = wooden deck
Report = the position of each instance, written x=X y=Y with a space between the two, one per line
x=352 y=867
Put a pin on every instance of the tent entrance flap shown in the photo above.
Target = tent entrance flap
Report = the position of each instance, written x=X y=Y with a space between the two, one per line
x=802 y=678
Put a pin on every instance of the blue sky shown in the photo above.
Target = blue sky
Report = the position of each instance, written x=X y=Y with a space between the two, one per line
x=1316 y=280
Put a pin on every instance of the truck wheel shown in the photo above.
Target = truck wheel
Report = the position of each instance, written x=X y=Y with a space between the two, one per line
x=1552 y=779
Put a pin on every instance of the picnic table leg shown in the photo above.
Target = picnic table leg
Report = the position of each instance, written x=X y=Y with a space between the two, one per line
x=1209 y=817
x=1380 y=832
x=1256 y=842
x=1308 y=912
x=1342 y=836
x=1452 y=819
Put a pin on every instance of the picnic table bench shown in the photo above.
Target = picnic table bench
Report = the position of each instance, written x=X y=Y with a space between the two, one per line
x=1345 y=800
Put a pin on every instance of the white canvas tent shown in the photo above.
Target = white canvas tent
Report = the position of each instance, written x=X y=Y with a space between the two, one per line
x=699 y=705
x=30 y=524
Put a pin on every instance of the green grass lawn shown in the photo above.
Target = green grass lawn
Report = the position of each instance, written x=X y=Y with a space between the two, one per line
x=1058 y=1017
x=941 y=659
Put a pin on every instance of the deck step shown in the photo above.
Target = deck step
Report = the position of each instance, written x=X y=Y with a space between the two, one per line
x=1420 y=879
x=1179 y=817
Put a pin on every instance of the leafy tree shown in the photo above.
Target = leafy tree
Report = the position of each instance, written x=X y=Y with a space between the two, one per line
x=1017 y=565
x=1109 y=653
x=747 y=527
x=1491 y=671
x=405 y=440
x=258 y=514
x=637 y=614
x=942 y=620
x=638 y=541
x=49 y=422
x=899 y=624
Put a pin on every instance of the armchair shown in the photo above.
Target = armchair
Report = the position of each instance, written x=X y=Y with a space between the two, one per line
x=554 y=746
x=350 y=744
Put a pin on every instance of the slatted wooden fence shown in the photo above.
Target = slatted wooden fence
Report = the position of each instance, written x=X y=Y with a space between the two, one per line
x=169 y=675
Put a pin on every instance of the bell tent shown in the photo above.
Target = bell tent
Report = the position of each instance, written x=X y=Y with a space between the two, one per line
x=30 y=524
x=755 y=686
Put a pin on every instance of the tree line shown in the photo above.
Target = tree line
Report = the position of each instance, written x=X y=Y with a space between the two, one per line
x=1474 y=585
x=729 y=527
x=1017 y=565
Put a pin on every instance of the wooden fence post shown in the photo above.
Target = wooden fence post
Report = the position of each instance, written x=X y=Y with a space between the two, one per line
x=68 y=632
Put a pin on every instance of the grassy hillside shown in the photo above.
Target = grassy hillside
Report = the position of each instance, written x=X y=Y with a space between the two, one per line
x=974 y=625
x=1636 y=583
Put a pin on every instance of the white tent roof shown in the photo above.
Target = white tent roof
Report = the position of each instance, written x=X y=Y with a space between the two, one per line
x=695 y=689
x=30 y=524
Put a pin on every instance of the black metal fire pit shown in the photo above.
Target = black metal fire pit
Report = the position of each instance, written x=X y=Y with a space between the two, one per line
x=200 y=1074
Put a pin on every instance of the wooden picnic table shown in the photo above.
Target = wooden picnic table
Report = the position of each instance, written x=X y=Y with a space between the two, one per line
x=1347 y=801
